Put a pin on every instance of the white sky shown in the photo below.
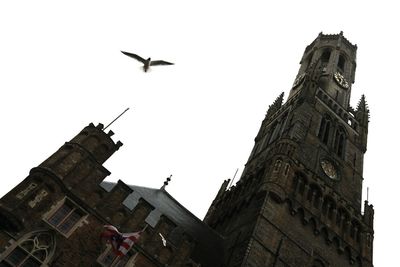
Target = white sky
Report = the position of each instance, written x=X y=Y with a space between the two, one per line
x=60 y=69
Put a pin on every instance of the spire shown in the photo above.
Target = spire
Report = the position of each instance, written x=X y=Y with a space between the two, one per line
x=362 y=112
x=275 y=106
x=362 y=105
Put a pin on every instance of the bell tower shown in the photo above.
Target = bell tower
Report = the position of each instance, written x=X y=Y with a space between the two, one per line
x=337 y=58
x=298 y=201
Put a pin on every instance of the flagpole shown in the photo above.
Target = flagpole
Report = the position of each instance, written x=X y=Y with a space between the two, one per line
x=144 y=228
x=233 y=178
x=116 y=118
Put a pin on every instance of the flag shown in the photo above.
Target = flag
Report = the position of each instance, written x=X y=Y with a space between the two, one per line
x=121 y=242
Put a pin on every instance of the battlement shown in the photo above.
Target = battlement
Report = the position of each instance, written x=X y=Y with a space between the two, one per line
x=332 y=37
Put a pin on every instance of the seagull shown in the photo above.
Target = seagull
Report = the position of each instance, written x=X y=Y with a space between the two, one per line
x=147 y=62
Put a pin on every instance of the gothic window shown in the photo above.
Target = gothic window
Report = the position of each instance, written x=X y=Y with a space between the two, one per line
x=109 y=259
x=328 y=208
x=34 y=249
x=341 y=63
x=261 y=144
x=314 y=195
x=355 y=230
x=299 y=184
x=342 y=218
x=272 y=134
x=325 y=56
x=339 y=144
x=276 y=129
x=324 y=129
x=65 y=217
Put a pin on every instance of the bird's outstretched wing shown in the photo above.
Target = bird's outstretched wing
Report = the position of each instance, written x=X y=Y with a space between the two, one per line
x=134 y=56
x=160 y=62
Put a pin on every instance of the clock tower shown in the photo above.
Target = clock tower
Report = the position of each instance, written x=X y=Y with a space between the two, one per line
x=298 y=201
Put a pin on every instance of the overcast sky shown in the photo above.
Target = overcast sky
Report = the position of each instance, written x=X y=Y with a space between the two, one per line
x=61 y=68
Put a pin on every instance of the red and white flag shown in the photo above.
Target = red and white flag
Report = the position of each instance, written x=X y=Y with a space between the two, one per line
x=120 y=242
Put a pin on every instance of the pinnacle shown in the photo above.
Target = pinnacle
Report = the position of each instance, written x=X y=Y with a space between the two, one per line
x=276 y=105
x=362 y=105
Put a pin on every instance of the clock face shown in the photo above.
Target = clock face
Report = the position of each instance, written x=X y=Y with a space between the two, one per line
x=329 y=169
x=298 y=80
x=339 y=78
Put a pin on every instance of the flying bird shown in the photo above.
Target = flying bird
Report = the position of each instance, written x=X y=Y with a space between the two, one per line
x=147 y=62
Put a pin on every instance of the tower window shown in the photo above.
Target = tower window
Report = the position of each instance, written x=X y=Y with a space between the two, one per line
x=341 y=62
x=339 y=142
x=324 y=130
x=325 y=56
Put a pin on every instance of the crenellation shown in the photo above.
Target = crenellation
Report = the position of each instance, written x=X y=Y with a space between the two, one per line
x=297 y=203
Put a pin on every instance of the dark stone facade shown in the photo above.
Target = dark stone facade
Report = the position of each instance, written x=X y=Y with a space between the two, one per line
x=298 y=202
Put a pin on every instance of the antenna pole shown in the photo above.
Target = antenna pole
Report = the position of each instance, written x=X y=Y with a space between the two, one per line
x=233 y=177
x=116 y=118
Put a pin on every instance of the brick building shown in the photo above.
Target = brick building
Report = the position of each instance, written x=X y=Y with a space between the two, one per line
x=297 y=203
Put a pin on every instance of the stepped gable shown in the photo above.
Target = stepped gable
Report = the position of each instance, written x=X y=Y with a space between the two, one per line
x=208 y=249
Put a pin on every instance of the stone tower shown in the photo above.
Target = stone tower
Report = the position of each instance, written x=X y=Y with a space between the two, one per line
x=298 y=201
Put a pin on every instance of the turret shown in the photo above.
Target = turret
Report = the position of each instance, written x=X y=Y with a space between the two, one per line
x=80 y=160
x=362 y=116
x=337 y=58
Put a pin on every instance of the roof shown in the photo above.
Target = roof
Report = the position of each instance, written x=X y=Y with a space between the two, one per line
x=209 y=244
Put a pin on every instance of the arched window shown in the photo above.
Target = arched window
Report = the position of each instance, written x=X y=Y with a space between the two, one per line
x=324 y=130
x=340 y=141
x=355 y=230
x=341 y=63
x=342 y=217
x=272 y=134
x=328 y=207
x=314 y=195
x=325 y=56
x=299 y=183
x=33 y=249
